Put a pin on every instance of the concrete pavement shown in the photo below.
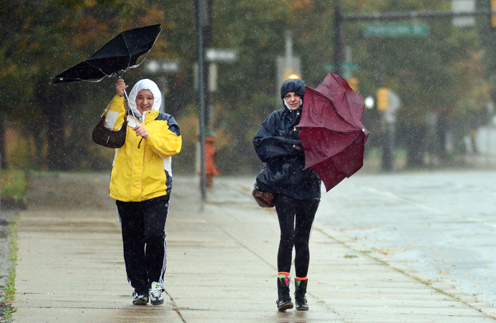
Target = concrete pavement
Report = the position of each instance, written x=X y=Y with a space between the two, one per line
x=221 y=264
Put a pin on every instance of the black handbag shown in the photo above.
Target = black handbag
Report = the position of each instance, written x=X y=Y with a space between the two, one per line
x=108 y=138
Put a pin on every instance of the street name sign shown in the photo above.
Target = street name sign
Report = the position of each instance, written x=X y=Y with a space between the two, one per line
x=165 y=66
x=221 y=55
x=396 y=29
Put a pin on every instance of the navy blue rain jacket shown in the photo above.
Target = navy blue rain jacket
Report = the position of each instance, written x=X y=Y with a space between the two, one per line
x=283 y=171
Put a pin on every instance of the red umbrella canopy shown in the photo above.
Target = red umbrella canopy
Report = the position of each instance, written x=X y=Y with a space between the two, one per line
x=331 y=130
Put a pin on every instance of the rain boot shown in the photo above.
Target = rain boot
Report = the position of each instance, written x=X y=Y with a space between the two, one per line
x=300 y=291
x=284 y=301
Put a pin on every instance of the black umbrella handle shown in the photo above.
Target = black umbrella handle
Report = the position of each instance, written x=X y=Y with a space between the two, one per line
x=119 y=74
x=125 y=96
x=127 y=105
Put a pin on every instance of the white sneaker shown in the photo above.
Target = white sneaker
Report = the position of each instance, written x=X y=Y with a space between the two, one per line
x=139 y=299
x=156 y=297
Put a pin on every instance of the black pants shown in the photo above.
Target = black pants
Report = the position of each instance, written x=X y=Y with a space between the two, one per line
x=143 y=237
x=295 y=221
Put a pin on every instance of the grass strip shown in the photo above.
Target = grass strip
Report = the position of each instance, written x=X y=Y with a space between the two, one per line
x=7 y=307
x=13 y=185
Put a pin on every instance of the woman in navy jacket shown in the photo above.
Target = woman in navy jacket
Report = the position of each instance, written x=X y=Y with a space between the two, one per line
x=296 y=190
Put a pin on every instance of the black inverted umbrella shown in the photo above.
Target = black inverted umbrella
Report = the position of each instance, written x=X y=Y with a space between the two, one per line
x=113 y=58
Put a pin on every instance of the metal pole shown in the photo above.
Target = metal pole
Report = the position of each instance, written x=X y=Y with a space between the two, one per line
x=289 y=51
x=338 y=38
x=207 y=42
x=201 y=62
x=387 y=126
x=387 y=160
x=0 y=190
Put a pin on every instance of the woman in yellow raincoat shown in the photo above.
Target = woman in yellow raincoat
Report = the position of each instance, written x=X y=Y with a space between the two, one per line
x=141 y=183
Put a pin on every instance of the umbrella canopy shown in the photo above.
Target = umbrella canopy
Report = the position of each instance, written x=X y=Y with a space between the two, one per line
x=331 y=130
x=113 y=58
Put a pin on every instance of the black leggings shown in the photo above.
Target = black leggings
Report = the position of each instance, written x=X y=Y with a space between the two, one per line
x=293 y=233
x=143 y=236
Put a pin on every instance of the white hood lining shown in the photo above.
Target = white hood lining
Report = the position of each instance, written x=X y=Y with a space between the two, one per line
x=145 y=84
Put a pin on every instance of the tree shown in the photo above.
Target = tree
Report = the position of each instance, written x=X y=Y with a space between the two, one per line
x=51 y=36
x=442 y=74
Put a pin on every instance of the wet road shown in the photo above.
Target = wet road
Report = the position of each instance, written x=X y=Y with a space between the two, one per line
x=442 y=224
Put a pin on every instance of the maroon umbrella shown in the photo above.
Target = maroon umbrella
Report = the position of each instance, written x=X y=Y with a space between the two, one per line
x=331 y=130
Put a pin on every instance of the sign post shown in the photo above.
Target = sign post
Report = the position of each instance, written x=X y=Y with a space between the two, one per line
x=288 y=65
x=387 y=103
x=214 y=56
x=218 y=55
x=162 y=68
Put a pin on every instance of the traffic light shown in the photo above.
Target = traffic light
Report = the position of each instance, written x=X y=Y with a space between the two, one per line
x=353 y=82
x=493 y=16
x=382 y=99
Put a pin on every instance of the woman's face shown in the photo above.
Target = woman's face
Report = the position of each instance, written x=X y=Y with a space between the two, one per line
x=144 y=101
x=293 y=100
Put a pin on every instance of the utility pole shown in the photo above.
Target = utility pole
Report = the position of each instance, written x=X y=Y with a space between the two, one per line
x=338 y=37
x=207 y=43
x=289 y=50
x=287 y=65
x=203 y=20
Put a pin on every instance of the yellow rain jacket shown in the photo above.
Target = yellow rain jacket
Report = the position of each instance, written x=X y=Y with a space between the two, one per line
x=141 y=171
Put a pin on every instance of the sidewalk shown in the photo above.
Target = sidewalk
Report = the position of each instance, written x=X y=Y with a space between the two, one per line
x=221 y=264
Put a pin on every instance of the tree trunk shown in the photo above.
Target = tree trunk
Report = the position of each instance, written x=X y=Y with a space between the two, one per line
x=53 y=105
x=441 y=130
x=57 y=158
x=3 y=152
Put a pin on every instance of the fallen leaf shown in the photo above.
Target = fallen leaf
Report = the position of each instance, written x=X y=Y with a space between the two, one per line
x=350 y=256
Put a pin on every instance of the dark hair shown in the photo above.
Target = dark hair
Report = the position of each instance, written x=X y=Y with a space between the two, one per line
x=293 y=85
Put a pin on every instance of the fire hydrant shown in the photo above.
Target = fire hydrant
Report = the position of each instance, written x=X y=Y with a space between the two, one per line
x=211 y=169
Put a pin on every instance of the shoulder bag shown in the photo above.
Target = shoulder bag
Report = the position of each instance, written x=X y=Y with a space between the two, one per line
x=108 y=138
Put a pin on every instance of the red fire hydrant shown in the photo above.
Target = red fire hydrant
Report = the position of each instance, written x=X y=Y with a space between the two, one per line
x=211 y=169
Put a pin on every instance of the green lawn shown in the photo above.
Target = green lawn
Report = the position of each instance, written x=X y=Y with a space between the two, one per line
x=13 y=183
